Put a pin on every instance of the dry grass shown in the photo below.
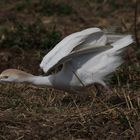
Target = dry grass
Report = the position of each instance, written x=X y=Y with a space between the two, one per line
x=28 y=112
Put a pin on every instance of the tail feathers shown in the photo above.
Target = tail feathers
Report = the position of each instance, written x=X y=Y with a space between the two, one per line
x=114 y=60
x=113 y=37
x=121 y=43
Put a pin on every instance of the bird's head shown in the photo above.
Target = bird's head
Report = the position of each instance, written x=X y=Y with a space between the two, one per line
x=14 y=75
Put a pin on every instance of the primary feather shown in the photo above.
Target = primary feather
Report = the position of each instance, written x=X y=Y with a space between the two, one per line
x=89 y=37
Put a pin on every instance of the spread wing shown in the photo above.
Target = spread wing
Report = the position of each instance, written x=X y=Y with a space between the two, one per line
x=89 y=38
x=94 y=50
x=90 y=50
x=91 y=68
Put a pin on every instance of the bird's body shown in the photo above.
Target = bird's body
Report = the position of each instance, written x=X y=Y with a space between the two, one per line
x=87 y=57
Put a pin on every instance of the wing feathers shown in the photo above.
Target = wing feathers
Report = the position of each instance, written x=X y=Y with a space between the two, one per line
x=74 y=54
x=123 y=42
x=91 y=40
x=67 y=45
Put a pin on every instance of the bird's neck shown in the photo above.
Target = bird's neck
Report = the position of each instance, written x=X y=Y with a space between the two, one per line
x=56 y=81
x=41 y=80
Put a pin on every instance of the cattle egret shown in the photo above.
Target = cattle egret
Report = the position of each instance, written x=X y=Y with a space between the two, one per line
x=88 y=57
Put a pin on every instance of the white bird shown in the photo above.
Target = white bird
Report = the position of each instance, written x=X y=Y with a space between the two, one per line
x=88 y=57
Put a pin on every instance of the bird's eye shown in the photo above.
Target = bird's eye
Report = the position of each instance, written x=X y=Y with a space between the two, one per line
x=5 y=77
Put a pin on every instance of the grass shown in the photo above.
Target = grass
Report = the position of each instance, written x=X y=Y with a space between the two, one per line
x=52 y=118
x=44 y=7
x=28 y=112
x=29 y=36
x=47 y=7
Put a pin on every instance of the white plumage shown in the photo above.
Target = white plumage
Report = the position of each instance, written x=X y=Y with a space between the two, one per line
x=90 y=37
x=87 y=57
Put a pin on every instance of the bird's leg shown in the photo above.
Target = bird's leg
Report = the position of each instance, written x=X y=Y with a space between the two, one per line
x=98 y=91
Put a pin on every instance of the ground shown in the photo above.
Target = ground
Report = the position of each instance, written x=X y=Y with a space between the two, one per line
x=28 y=30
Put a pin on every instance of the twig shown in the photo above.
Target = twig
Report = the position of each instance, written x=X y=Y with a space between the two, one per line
x=81 y=116
x=79 y=79
x=129 y=122
x=114 y=107
x=126 y=99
